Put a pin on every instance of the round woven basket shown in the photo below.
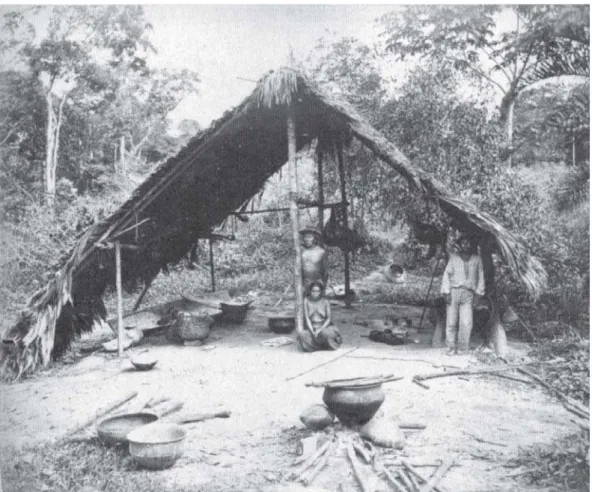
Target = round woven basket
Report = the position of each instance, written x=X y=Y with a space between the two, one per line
x=190 y=326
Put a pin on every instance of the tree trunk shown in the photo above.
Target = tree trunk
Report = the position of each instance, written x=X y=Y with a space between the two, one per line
x=49 y=154
x=510 y=131
x=56 y=143
x=52 y=144
x=507 y=118
x=122 y=156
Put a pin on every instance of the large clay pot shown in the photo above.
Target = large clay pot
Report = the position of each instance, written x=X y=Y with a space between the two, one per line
x=354 y=405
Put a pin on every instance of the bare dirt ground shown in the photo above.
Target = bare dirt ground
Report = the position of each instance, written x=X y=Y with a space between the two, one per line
x=254 y=449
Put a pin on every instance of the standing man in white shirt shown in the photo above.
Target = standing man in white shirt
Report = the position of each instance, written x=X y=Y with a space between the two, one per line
x=463 y=284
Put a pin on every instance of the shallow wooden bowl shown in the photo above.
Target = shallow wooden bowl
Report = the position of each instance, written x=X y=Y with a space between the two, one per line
x=143 y=362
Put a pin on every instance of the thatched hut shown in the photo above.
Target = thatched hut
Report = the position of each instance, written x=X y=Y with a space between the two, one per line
x=213 y=176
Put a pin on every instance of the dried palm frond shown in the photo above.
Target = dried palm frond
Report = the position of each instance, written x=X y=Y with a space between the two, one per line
x=277 y=88
x=573 y=190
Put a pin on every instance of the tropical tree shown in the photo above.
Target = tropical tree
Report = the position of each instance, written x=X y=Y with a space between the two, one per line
x=541 y=42
x=351 y=70
x=79 y=42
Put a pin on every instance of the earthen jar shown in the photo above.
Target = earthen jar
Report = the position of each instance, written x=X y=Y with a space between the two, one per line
x=354 y=405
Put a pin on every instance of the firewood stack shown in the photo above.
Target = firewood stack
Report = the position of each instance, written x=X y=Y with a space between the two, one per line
x=375 y=470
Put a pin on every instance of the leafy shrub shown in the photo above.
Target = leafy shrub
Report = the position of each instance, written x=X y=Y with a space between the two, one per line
x=561 y=465
x=42 y=237
x=573 y=376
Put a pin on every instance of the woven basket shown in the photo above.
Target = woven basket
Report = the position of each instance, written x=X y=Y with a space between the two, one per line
x=190 y=326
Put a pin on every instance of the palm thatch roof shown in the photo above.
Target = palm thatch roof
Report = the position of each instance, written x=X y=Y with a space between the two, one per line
x=218 y=172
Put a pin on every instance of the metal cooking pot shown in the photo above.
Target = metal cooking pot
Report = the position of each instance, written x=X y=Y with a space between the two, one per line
x=159 y=445
x=283 y=325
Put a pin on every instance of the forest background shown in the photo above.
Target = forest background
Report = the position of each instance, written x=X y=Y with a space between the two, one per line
x=492 y=100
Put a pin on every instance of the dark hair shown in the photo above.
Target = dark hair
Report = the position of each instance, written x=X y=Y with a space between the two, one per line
x=315 y=283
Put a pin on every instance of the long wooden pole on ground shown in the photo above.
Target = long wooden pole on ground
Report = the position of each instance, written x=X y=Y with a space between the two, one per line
x=294 y=219
x=119 y=299
x=344 y=200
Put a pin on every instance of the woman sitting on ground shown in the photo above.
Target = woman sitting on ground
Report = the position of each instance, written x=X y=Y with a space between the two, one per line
x=319 y=332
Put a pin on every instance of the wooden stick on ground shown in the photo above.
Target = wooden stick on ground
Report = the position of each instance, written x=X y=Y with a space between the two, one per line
x=436 y=477
x=405 y=479
x=411 y=469
x=404 y=359
x=157 y=401
x=576 y=411
x=566 y=399
x=362 y=452
x=393 y=481
x=168 y=407
x=321 y=365
x=308 y=478
x=511 y=378
x=357 y=471
x=480 y=439
x=117 y=403
x=466 y=372
x=419 y=383
x=137 y=405
x=583 y=411
x=395 y=462
x=311 y=460
x=412 y=425
x=412 y=479
x=362 y=381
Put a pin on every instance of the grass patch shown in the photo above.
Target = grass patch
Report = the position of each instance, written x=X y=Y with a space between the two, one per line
x=71 y=466
x=562 y=465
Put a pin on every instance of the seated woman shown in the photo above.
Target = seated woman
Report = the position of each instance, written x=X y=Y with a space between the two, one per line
x=319 y=332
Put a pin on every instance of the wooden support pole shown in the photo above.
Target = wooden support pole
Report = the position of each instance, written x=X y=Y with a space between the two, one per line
x=497 y=332
x=343 y=199
x=119 y=299
x=212 y=272
x=294 y=219
x=321 y=191
x=426 y=304
x=142 y=294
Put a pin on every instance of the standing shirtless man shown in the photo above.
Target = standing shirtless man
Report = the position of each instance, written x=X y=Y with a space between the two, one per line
x=314 y=258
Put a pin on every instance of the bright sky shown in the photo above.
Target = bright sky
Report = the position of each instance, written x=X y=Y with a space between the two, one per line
x=223 y=42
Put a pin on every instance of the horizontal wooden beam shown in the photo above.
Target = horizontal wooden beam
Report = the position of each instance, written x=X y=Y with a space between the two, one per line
x=287 y=209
